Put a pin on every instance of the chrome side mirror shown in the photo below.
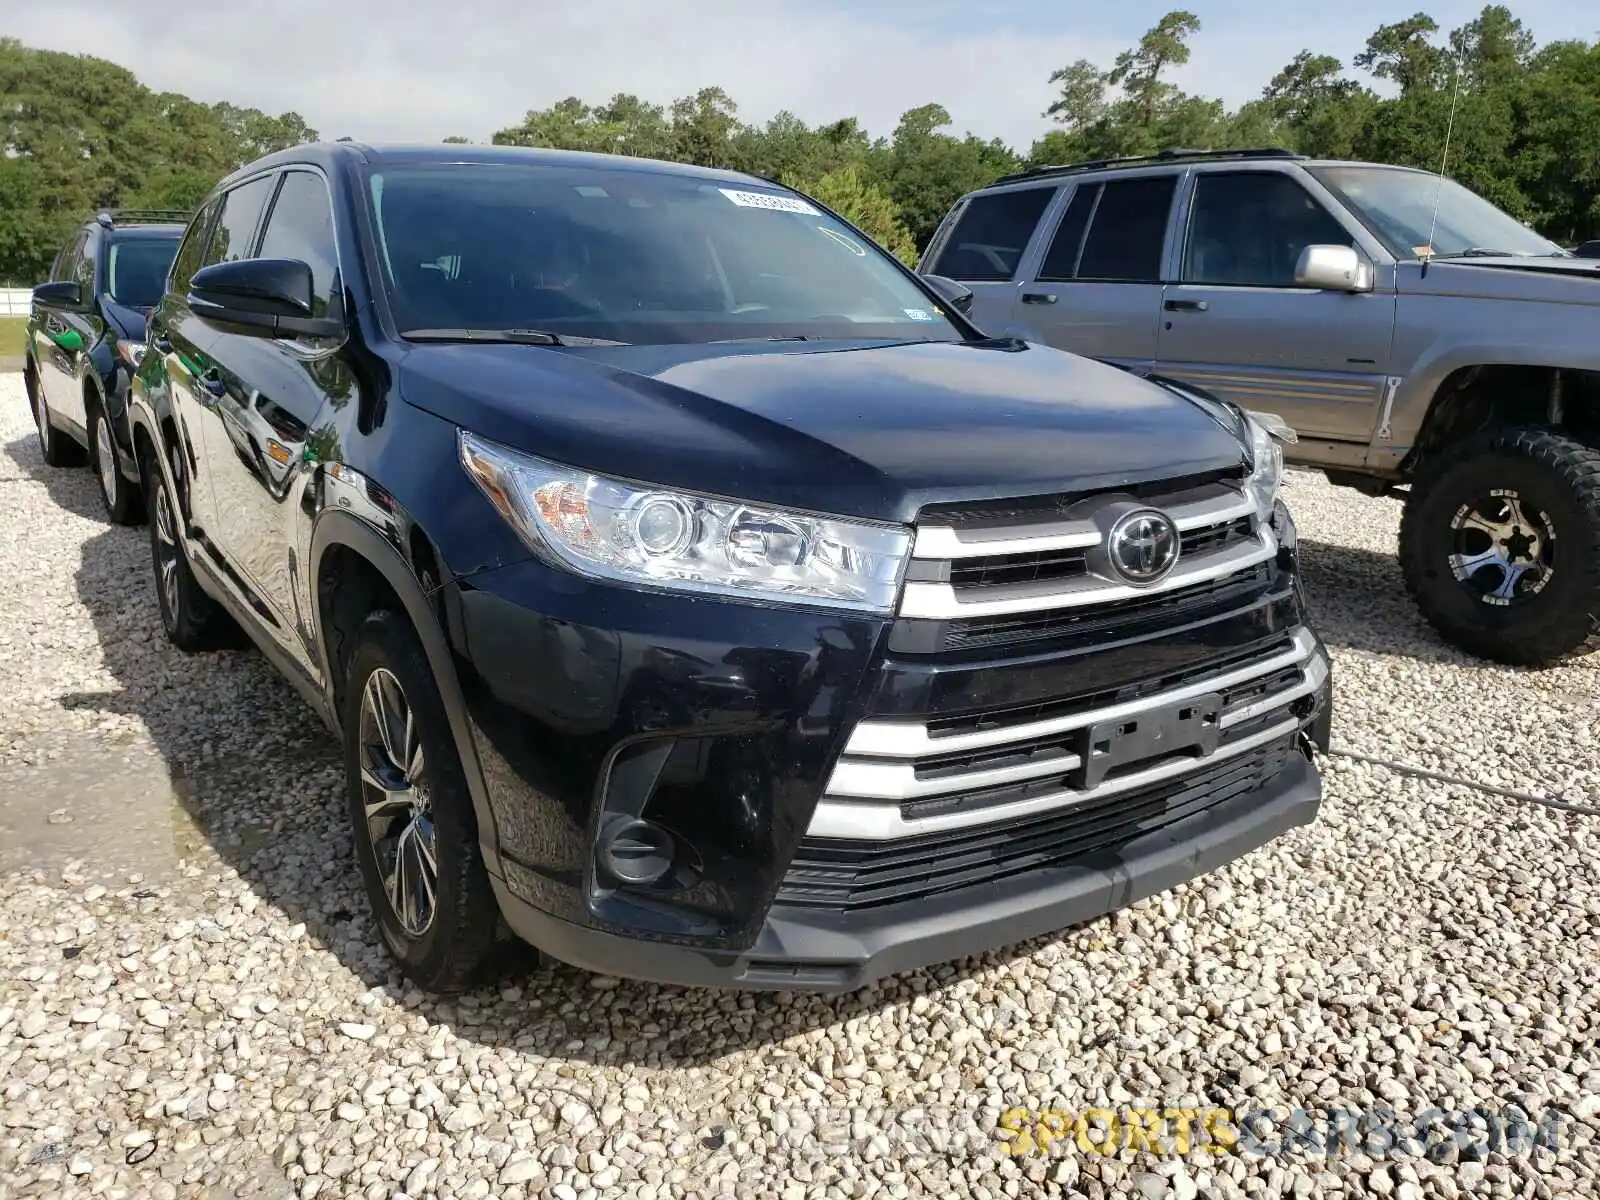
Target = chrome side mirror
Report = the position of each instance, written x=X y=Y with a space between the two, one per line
x=1333 y=269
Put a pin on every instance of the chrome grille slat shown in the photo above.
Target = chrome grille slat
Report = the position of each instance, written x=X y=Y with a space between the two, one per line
x=976 y=541
x=941 y=601
x=880 y=766
x=911 y=739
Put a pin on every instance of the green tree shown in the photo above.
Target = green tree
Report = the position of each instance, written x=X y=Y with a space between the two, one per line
x=1402 y=52
x=703 y=127
x=865 y=206
x=1138 y=71
x=928 y=170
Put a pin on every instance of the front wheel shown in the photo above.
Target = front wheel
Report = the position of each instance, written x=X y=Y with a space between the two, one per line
x=119 y=496
x=1500 y=546
x=416 y=835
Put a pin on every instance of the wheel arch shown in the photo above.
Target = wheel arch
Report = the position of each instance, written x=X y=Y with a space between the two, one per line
x=354 y=566
x=1476 y=396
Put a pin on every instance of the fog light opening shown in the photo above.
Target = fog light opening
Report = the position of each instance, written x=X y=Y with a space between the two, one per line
x=635 y=851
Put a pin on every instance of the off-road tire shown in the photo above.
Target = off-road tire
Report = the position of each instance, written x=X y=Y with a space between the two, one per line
x=450 y=953
x=1559 y=476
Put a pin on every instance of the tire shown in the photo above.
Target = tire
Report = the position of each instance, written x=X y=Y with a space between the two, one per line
x=192 y=620
x=1538 y=614
x=57 y=449
x=122 y=500
x=446 y=953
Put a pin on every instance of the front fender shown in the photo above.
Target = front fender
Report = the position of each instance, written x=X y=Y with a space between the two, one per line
x=1533 y=335
x=353 y=520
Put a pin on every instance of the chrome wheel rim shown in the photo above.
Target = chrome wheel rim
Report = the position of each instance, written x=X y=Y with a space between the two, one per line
x=166 y=554
x=1502 y=549
x=106 y=459
x=395 y=803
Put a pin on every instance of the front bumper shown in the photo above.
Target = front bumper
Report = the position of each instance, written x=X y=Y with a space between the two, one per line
x=768 y=738
x=799 y=950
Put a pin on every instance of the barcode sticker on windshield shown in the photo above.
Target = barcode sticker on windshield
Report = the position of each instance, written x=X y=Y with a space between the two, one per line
x=767 y=200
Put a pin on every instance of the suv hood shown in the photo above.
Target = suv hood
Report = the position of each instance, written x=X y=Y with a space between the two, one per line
x=1560 y=280
x=873 y=432
x=130 y=321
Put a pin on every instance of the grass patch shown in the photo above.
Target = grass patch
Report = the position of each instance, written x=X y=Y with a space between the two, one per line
x=13 y=336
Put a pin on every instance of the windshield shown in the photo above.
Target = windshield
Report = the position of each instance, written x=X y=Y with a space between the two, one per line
x=136 y=273
x=1398 y=206
x=638 y=256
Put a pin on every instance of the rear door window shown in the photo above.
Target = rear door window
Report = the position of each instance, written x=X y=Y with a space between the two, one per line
x=1061 y=260
x=988 y=241
x=1128 y=232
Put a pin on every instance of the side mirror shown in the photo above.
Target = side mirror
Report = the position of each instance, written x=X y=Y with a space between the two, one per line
x=1333 y=269
x=1590 y=249
x=958 y=296
x=62 y=293
x=260 y=297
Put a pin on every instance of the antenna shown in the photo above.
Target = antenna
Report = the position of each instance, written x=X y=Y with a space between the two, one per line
x=1433 y=223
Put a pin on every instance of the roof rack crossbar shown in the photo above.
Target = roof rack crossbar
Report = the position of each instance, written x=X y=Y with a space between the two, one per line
x=110 y=217
x=1174 y=154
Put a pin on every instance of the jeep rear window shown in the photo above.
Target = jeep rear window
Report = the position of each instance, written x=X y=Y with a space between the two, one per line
x=631 y=255
x=994 y=230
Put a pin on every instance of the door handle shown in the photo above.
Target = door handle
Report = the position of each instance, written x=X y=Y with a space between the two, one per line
x=1185 y=306
x=1038 y=297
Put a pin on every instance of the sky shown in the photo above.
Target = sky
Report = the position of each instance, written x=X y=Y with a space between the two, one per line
x=386 y=70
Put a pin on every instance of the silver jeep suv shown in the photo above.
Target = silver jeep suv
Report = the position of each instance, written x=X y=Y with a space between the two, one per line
x=1420 y=341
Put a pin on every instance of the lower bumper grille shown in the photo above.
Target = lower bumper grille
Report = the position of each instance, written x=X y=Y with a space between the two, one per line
x=852 y=875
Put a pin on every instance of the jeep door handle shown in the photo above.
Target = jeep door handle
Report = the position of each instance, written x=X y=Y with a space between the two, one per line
x=1038 y=297
x=1185 y=306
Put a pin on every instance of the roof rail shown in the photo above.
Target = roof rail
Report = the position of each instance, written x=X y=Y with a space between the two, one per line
x=1173 y=154
x=110 y=218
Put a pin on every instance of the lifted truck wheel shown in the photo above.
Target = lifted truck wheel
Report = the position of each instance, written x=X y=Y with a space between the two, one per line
x=1500 y=546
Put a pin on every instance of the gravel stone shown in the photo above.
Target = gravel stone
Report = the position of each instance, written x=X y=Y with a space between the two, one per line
x=194 y=977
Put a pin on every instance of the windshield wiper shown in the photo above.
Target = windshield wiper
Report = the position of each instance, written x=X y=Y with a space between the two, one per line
x=521 y=337
x=1481 y=252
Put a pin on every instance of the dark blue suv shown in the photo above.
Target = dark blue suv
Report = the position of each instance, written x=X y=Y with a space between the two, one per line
x=694 y=587
x=85 y=340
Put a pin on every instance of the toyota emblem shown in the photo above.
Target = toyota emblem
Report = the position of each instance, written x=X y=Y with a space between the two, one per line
x=1143 y=547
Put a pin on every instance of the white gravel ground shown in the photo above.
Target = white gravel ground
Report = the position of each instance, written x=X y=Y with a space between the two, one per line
x=223 y=1022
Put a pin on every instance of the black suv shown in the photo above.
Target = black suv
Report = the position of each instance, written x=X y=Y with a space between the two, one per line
x=85 y=340
x=692 y=586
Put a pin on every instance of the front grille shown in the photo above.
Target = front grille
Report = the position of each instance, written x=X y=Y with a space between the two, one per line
x=850 y=875
x=1033 y=563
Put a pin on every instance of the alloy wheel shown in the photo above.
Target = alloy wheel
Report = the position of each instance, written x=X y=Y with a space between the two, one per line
x=395 y=803
x=105 y=459
x=1503 y=550
x=166 y=553
x=41 y=419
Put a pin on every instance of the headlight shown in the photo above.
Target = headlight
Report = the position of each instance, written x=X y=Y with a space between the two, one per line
x=1267 y=433
x=630 y=533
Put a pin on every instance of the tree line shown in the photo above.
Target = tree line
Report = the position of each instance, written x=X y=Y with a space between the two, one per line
x=78 y=133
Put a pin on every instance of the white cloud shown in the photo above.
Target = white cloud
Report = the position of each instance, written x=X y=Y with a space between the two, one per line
x=383 y=72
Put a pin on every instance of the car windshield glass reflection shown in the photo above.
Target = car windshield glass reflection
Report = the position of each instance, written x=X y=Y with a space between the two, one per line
x=629 y=255
x=137 y=270
x=1402 y=207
